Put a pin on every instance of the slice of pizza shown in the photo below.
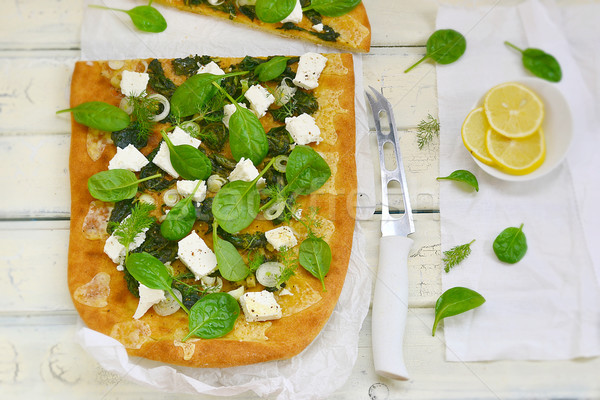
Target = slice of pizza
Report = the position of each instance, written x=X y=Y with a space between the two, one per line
x=341 y=24
x=212 y=203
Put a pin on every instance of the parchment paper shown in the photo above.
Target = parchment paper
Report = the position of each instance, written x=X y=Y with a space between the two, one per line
x=327 y=363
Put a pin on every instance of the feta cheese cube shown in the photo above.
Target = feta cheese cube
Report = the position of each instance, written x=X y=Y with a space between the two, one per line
x=228 y=111
x=260 y=306
x=128 y=158
x=148 y=298
x=211 y=68
x=260 y=99
x=309 y=70
x=116 y=251
x=282 y=237
x=318 y=28
x=303 y=129
x=296 y=14
x=163 y=156
x=185 y=189
x=196 y=255
x=244 y=171
x=134 y=83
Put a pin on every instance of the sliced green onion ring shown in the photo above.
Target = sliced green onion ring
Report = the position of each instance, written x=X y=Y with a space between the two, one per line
x=274 y=210
x=171 y=197
x=215 y=183
x=169 y=305
x=280 y=163
x=166 y=106
x=268 y=273
x=147 y=199
x=191 y=127
x=125 y=105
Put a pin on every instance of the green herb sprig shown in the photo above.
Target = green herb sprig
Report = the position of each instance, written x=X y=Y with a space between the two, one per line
x=427 y=130
x=456 y=255
x=136 y=222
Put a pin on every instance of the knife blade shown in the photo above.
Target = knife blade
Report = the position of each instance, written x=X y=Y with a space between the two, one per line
x=390 y=298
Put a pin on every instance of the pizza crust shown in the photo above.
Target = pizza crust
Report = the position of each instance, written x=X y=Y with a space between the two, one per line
x=160 y=338
x=354 y=27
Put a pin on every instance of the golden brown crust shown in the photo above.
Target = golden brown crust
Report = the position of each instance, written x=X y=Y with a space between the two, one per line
x=354 y=28
x=99 y=291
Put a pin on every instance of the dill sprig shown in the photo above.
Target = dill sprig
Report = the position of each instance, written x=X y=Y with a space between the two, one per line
x=290 y=263
x=135 y=223
x=143 y=110
x=426 y=130
x=455 y=255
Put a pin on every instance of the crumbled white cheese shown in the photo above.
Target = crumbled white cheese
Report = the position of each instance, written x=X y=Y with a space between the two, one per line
x=211 y=68
x=285 y=292
x=282 y=237
x=129 y=158
x=148 y=298
x=309 y=70
x=244 y=171
x=318 y=27
x=116 y=251
x=134 y=83
x=303 y=129
x=185 y=189
x=260 y=306
x=260 y=99
x=163 y=156
x=228 y=111
x=296 y=14
x=196 y=255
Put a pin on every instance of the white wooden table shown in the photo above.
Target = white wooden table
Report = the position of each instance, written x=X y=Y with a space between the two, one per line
x=39 y=43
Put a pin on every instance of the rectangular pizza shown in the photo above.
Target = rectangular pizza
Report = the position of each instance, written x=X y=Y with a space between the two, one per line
x=212 y=203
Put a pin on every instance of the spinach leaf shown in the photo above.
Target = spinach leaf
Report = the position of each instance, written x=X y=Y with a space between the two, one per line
x=236 y=205
x=114 y=185
x=158 y=81
x=99 y=115
x=247 y=137
x=150 y=272
x=180 y=220
x=462 y=175
x=510 y=245
x=231 y=264
x=315 y=257
x=271 y=69
x=456 y=300
x=444 y=46
x=333 y=8
x=272 y=11
x=188 y=161
x=145 y=18
x=213 y=316
x=540 y=63
x=306 y=171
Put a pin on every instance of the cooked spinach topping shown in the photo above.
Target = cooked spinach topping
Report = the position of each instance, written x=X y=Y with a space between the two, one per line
x=328 y=34
x=121 y=210
x=204 y=212
x=214 y=136
x=248 y=11
x=244 y=241
x=190 y=65
x=302 y=102
x=221 y=164
x=156 y=245
x=279 y=141
x=132 y=284
x=129 y=135
x=158 y=81
x=156 y=184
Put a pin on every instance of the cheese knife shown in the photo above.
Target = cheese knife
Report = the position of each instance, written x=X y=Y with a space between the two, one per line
x=390 y=298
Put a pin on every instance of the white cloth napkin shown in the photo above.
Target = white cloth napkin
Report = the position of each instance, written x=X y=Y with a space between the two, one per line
x=547 y=306
x=327 y=363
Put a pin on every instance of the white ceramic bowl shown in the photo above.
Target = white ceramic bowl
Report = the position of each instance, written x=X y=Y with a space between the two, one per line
x=557 y=126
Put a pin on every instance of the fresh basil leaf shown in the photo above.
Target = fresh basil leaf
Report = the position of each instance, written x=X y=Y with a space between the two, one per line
x=540 y=63
x=213 y=316
x=247 y=137
x=456 y=300
x=462 y=175
x=271 y=69
x=444 y=46
x=510 y=245
x=272 y=11
x=334 y=8
x=180 y=220
x=315 y=256
x=149 y=271
x=113 y=185
x=188 y=161
x=147 y=19
x=100 y=115
x=236 y=205
x=231 y=264
x=306 y=170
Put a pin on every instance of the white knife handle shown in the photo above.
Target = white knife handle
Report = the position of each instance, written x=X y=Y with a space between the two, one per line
x=390 y=307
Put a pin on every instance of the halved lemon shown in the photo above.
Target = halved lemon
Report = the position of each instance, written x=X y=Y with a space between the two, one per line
x=473 y=132
x=516 y=156
x=513 y=110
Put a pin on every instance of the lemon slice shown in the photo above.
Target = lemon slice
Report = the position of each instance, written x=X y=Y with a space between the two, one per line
x=516 y=156
x=473 y=132
x=513 y=110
